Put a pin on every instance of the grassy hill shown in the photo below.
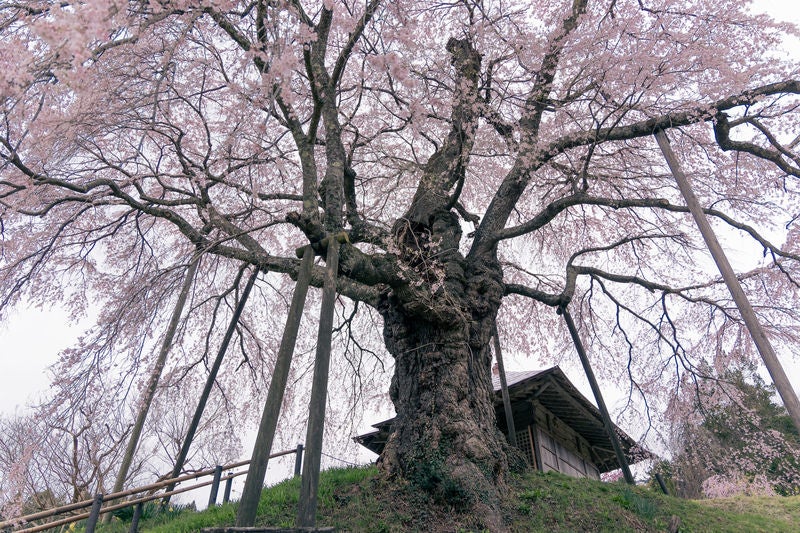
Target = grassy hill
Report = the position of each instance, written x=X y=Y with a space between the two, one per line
x=357 y=499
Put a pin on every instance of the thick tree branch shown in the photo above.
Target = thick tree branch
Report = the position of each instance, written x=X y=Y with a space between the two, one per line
x=537 y=103
x=517 y=179
x=722 y=129
x=446 y=166
x=646 y=128
x=552 y=210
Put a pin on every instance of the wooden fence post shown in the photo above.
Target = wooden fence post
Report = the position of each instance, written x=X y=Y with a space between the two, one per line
x=254 y=482
x=94 y=514
x=782 y=384
x=662 y=484
x=226 y=497
x=598 y=396
x=298 y=460
x=137 y=514
x=309 y=484
x=212 y=497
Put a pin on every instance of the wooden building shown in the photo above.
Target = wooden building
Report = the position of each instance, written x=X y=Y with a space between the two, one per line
x=557 y=427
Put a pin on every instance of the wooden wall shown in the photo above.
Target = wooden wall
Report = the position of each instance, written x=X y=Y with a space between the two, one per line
x=549 y=443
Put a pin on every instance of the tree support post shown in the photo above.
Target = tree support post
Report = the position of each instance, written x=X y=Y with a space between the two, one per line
x=137 y=514
x=212 y=377
x=298 y=460
x=307 y=508
x=758 y=334
x=226 y=496
x=254 y=482
x=598 y=396
x=662 y=484
x=512 y=431
x=155 y=376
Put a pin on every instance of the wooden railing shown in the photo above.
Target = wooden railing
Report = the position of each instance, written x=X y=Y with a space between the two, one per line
x=95 y=505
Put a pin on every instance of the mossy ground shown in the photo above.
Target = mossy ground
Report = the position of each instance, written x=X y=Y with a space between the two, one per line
x=359 y=500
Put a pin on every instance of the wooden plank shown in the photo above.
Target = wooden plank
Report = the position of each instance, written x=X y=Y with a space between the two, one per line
x=532 y=432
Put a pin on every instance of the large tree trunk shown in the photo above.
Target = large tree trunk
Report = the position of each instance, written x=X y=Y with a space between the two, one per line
x=445 y=439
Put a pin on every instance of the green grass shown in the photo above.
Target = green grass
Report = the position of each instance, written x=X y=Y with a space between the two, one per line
x=554 y=502
x=358 y=499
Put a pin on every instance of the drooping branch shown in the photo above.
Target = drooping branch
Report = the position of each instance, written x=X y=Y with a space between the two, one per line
x=552 y=210
x=530 y=160
x=572 y=271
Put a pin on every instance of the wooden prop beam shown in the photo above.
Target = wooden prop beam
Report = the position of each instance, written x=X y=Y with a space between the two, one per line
x=498 y=353
x=598 y=396
x=155 y=376
x=248 y=505
x=309 y=485
x=760 y=338
x=212 y=377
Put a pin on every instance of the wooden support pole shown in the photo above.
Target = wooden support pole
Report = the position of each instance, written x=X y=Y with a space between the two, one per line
x=307 y=508
x=155 y=376
x=226 y=496
x=598 y=396
x=210 y=379
x=137 y=514
x=782 y=384
x=498 y=353
x=298 y=460
x=248 y=505
x=662 y=484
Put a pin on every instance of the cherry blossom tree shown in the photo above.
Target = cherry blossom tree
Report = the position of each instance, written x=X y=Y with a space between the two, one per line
x=60 y=453
x=488 y=161
x=731 y=438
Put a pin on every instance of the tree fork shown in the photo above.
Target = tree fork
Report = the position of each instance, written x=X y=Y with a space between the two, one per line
x=248 y=505
x=757 y=333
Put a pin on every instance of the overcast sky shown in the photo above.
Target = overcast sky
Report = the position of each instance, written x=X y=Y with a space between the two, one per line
x=31 y=339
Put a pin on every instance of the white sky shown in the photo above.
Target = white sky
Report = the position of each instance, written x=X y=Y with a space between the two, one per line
x=29 y=342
